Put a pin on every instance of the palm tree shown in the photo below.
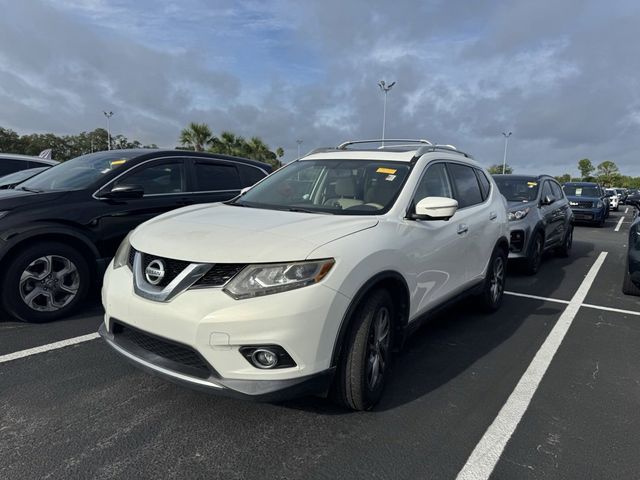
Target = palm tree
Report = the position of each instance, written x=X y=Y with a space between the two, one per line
x=196 y=136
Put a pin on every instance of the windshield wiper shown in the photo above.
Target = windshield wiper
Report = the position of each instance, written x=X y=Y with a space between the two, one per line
x=304 y=210
x=32 y=190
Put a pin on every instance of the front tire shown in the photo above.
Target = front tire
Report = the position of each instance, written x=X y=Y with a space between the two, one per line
x=45 y=282
x=490 y=298
x=365 y=362
x=534 y=259
x=565 y=249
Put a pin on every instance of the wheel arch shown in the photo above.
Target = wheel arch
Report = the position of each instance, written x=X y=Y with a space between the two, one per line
x=393 y=282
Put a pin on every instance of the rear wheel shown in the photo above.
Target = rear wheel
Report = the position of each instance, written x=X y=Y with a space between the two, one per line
x=364 y=365
x=628 y=287
x=536 y=250
x=493 y=288
x=45 y=282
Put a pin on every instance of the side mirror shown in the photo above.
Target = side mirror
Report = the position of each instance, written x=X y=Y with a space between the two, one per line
x=124 y=192
x=435 y=208
x=547 y=200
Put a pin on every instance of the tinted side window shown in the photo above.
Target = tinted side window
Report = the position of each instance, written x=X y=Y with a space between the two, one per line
x=434 y=183
x=216 y=176
x=546 y=190
x=9 y=166
x=467 y=187
x=557 y=191
x=158 y=178
x=37 y=164
x=250 y=175
x=485 y=184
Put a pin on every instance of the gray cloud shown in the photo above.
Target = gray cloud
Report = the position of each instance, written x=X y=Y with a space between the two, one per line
x=563 y=77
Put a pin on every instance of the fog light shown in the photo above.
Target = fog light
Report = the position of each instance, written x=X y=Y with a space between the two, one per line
x=263 y=358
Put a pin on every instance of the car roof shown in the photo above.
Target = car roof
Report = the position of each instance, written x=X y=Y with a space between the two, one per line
x=522 y=177
x=27 y=158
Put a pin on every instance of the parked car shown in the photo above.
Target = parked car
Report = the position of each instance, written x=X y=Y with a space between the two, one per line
x=588 y=202
x=12 y=162
x=308 y=282
x=60 y=228
x=614 y=199
x=540 y=219
x=622 y=195
x=633 y=198
x=631 y=280
x=13 y=179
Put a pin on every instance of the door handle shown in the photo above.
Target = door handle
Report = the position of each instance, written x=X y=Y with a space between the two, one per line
x=493 y=215
x=462 y=228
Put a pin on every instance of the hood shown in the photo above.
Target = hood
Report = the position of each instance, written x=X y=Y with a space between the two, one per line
x=514 y=205
x=221 y=233
x=11 y=198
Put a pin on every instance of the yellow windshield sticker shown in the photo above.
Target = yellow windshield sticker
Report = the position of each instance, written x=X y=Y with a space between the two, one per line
x=388 y=171
x=115 y=163
x=532 y=184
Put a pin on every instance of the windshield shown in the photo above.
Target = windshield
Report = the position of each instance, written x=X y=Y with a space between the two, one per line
x=342 y=187
x=581 y=190
x=20 y=175
x=78 y=173
x=518 y=189
x=610 y=192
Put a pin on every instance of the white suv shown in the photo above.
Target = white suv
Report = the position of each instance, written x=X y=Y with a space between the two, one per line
x=308 y=282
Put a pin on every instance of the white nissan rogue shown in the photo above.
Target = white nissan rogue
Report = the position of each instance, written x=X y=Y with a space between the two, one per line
x=309 y=281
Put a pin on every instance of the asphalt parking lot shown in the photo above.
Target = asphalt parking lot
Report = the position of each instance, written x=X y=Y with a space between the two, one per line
x=549 y=387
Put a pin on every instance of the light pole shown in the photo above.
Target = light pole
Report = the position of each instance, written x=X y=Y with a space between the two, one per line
x=385 y=89
x=299 y=142
x=504 y=159
x=108 y=115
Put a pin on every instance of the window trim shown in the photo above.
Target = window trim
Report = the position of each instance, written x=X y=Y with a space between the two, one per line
x=479 y=172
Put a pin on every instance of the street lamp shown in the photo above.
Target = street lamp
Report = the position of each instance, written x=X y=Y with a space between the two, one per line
x=299 y=142
x=504 y=159
x=385 y=88
x=108 y=115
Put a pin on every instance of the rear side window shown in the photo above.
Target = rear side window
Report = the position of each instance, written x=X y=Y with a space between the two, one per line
x=467 y=187
x=9 y=166
x=557 y=191
x=485 y=184
x=250 y=175
x=216 y=176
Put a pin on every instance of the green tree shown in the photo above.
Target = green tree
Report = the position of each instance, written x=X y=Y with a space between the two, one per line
x=196 y=136
x=586 y=168
x=497 y=169
x=9 y=141
x=608 y=173
x=563 y=178
x=279 y=152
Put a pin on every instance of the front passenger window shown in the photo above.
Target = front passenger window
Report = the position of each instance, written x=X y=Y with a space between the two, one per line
x=157 y=179
x=546 y=192
x=434 y=183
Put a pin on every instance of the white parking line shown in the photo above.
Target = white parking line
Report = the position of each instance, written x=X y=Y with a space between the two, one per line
x=557 y=300
x=626 y=210
x=610 y=309
x=535 y=297
x=484 y=457
x=45 y=348
x=619 y=224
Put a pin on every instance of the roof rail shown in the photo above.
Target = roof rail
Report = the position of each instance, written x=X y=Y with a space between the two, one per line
x=343 y=146
x=440 y=148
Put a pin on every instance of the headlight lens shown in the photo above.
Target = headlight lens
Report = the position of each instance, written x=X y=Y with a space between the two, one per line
x=259 y=280
x=122 y=254
x=518 y=214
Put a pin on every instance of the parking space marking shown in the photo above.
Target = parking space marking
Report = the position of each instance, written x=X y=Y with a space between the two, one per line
x=610 y=309
x=619 y=224
x=536 y=297
x=485 y=456
x=45 y=348
x=626 y=210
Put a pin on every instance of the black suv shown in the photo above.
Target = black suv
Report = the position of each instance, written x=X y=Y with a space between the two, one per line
x=540 y=218
x=59 y=229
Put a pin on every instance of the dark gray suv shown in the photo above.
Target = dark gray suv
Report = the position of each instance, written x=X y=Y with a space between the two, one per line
x=540 y=218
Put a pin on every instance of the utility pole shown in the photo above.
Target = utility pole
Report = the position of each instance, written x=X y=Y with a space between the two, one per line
x=504 y=159
x=108 y=115
x=385 y=89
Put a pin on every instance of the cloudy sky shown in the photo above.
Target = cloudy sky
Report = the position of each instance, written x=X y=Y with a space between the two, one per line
x=562 y=75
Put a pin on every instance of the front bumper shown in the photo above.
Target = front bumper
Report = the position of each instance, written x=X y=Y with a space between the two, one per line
x=592 y=215
x=262 y=390
x=303 y=322
x=520 y=235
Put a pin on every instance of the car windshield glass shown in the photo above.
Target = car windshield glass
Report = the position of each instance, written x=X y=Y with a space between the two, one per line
x=79 y=172
x=611 y=193
x=581 y=191
x=21 y=175
x=341 y=187
x=518 y=189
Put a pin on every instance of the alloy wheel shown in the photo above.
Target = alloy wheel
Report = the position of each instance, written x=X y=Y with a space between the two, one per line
x=497 y=279
x=49 y=283
x=378 y=347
